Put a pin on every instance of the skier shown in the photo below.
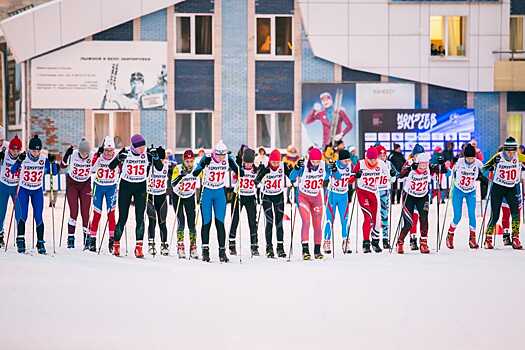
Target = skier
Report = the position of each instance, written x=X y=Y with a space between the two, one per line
x=507 y=174
x=214 y=196
x=184 y=187
x=247 y=199
x=417 y=173
x=466 y=172
x=388 y=177
x=311 y=178
x=506 y=214
x=8 y=180
x=273 y=180
x=32 y=166
x=105 y=186
x=338 y=186
x=78 y=188
x=157 y=203
x=135 y=164
x=367 y=174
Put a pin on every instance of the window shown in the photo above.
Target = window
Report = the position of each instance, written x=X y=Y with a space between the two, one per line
x=274 y=129
x=447 y=36
x=516 y=33
x=193 y=35
x=116 y=124
x=193 y=130
x=274 y=36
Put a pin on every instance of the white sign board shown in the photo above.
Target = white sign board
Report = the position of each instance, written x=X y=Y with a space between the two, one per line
x=385 y=96
x=101 y=75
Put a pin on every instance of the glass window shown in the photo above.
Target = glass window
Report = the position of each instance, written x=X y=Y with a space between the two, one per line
x=437 y=35
x=283 y=36
x=516 y=33
x=264 y=128
x=456 y=36
x=203 y=130
x=183 y=28
x=183 y=130
x=264 y=39
x=203 y=35
x=283 y=130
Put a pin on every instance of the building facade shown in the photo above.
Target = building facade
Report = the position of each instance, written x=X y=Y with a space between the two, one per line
x=237 y=70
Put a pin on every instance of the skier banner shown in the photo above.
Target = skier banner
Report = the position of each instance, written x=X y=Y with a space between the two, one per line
x=126 y=75
x=328 y=114
x=407 y=127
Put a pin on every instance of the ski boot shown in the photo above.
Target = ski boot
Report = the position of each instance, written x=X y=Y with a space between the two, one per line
x=472 y=243
x=222 y=255
x=317 y=252
x=306 y=252
x=516 y=244
x=40 y=247
x=423 y=246
x=488 y=242
x=164 y=249
x=116 y=248
x=233 y=249
x=21 y=245
x=181 y=250
x=450 y=240
x=366 y=247
x=506 y=238
x=91 y=244
x=327 y=247
x=70 y=241
x=2 y=243
x=413 y=243
x=399 y=247
x=346 y=247
x=193 y=251
x=111 y=243
x=375 y=246
x=138 y=250
x=151 y=247
x=269 y=251
x=386 y=244
x=255 y=250
x=206 y=254
x=280 y=250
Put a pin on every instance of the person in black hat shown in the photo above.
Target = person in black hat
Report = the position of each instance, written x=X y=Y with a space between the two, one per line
x=507 y=166
x=247 y=192
x=32 y=166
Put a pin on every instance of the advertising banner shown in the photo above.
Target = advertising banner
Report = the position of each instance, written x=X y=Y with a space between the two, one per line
x=385 y=96
x=101 y=75
x=328 y=114
x=407 y=127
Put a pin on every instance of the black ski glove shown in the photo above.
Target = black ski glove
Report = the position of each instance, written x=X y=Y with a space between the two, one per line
x=22 y=156
x=414 y=166
x=100 y=150
x=68 y=154
x=122 y=155
x=441 y=160
x=333 y=167
x=161 y=152
x=207 y=160
x=497 y=159
x=393 y=172
x=299 y=164
x=358 y=174
x=51 y=158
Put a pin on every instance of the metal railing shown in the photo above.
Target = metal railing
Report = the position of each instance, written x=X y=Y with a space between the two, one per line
x=512 y=54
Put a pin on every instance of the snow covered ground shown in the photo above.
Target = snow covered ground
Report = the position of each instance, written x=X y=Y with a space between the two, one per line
x=459 y=299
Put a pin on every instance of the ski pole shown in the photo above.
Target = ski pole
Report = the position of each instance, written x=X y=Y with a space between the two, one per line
x=179 y=199
x=398 y=229
x=353 y=200
x=482 y=229
x=63 y=216
x=438 y=199
x=51 y=199
x=442 y=231
x=103 y=234
x=290 y=253
x=11 y=219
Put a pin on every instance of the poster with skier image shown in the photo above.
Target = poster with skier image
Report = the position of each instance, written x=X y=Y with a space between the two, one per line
x=328 y=114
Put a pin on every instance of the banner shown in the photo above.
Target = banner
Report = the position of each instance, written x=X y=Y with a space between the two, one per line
x=328 y=113
x=101 y=75
x=385 y=96
x=407 y=127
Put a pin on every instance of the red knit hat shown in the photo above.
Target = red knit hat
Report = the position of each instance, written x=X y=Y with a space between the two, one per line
x=15 y=144
x=380 y=149
x=188 y=154
x=371 y=153
x=315 y=154
x=275 y=156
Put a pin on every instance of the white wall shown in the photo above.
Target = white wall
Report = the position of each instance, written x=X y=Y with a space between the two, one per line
x=61 y=22
x=393 y=39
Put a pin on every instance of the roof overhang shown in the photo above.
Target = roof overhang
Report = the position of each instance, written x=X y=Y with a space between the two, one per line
x=62 y=22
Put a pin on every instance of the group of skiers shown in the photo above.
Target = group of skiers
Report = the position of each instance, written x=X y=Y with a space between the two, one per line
x=319 y=187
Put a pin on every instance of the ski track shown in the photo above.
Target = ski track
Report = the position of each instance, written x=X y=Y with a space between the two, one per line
x=459 y=299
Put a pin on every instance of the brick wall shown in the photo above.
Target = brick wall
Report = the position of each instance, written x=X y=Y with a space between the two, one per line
x=153 y=126
x=58 y=128
x=314 y=69
x=274 y=86
x=487 y=122
x=234 y=73
x=153 y=27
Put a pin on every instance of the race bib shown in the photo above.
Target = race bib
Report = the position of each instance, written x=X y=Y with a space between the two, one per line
x=6 y=176
x=341 y=185
x=158 y=181
x=247 y=184
x=416 y=184
x=273 y=183
x=507 y=173
x=215 y=174
x=79 y=169
x=135 y=168
x=311 y=182
x=32 y=173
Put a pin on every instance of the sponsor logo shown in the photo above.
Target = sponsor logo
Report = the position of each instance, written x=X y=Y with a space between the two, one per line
x=41 y=162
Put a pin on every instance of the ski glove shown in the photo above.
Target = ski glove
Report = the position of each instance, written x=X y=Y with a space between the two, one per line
x=333 y=167
x=122 y=155
x=22 y=156
x=51 y=157
x=161 y=152
x=393 y=172
x=414 y=166
x=299 y=164
x=100 y=151
x=497 y=159
x=206 y=160
x=358 y=174
x=441 y=160
x=68 y=154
